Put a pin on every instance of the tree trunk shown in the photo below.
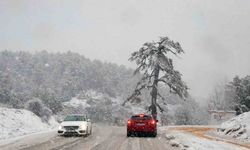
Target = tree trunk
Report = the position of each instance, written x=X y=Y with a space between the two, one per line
x=154 y=93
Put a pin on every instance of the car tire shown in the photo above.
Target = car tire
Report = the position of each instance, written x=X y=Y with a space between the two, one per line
x=154 y=134
x=86 y=133
x=90 y=132
x=128 y=134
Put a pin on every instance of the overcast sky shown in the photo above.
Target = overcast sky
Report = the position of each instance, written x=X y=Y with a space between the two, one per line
x=215 y=34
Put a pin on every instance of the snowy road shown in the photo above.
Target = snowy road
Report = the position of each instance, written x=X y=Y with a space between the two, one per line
x=103 y=138
x=106 y=137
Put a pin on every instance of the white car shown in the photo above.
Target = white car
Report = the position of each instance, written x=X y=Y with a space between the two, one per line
x=75 y=125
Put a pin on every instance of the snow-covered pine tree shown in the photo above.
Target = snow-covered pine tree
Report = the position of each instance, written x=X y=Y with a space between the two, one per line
x=156 y=67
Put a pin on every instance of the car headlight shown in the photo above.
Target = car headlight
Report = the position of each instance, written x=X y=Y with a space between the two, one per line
x=60 y=127
x=83 y=127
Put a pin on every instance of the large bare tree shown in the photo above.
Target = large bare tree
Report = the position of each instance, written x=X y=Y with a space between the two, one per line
x=156 y=67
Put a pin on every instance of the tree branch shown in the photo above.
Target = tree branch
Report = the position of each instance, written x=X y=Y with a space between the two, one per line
x=136 y=93
x=162 y=98
x=161 y=109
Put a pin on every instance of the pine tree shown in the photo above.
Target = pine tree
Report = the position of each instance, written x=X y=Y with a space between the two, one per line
x=241 y=89
x=156 y=67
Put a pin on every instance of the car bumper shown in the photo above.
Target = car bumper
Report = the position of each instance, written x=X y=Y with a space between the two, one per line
x=150 y=129
x=72 y=132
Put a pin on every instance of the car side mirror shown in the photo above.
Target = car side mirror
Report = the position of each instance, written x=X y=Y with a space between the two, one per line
x=88 y=120
x=60 y=121
x=157 y=121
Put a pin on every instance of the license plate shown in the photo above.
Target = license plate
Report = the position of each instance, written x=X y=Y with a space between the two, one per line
x=70 y=130
x=140 y=124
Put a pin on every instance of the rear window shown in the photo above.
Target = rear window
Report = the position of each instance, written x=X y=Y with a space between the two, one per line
x=137 y=117
x=75 y=118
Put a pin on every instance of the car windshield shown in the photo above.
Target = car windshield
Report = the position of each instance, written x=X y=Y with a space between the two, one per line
x=137 y=117
x=75 y=118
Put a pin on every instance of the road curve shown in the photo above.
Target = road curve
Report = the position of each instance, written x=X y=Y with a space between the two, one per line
x=104 y=137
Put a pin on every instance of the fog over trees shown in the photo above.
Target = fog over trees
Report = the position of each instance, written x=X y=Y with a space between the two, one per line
x=55 y=78
x=232 y=95
x=42 y=81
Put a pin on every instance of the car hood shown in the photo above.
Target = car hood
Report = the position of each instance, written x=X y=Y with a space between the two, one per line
x=73 y=123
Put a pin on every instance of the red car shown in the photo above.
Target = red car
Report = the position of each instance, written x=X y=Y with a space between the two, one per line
x=142 y=124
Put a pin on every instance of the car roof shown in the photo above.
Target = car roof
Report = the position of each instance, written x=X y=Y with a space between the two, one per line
x=76 y=115
x=143 y=117
x=141 y=114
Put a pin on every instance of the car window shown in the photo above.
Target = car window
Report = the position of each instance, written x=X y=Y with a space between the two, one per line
x=75 y=118
x=137 y=117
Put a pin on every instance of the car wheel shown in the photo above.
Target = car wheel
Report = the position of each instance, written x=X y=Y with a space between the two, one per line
x=90 y=131
x=154 y=134
x=87 y=132
x=128 y=134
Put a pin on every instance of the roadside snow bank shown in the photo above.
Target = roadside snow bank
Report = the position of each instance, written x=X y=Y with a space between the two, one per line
x=237 y=127
x=187 y=141
x=17 y=122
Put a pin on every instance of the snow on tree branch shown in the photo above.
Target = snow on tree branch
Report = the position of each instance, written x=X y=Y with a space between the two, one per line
x=152 y=61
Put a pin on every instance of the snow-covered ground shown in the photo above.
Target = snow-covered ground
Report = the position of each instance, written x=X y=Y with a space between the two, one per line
x=189 y=141
x=81 y=100
x=237 y=127
x=17 y=122
x=196 y=143
x=76 y=102
x=104 y=137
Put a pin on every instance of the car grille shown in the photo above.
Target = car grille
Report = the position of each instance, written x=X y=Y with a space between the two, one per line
x=71 y=127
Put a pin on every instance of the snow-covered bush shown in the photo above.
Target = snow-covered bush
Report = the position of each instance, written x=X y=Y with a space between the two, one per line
x=190 y=113
x=183 y=116
x=36 y=106
x=101 y=111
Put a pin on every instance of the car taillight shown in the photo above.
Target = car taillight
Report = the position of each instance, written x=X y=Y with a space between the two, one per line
x=153 y=122
x=129 y=122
